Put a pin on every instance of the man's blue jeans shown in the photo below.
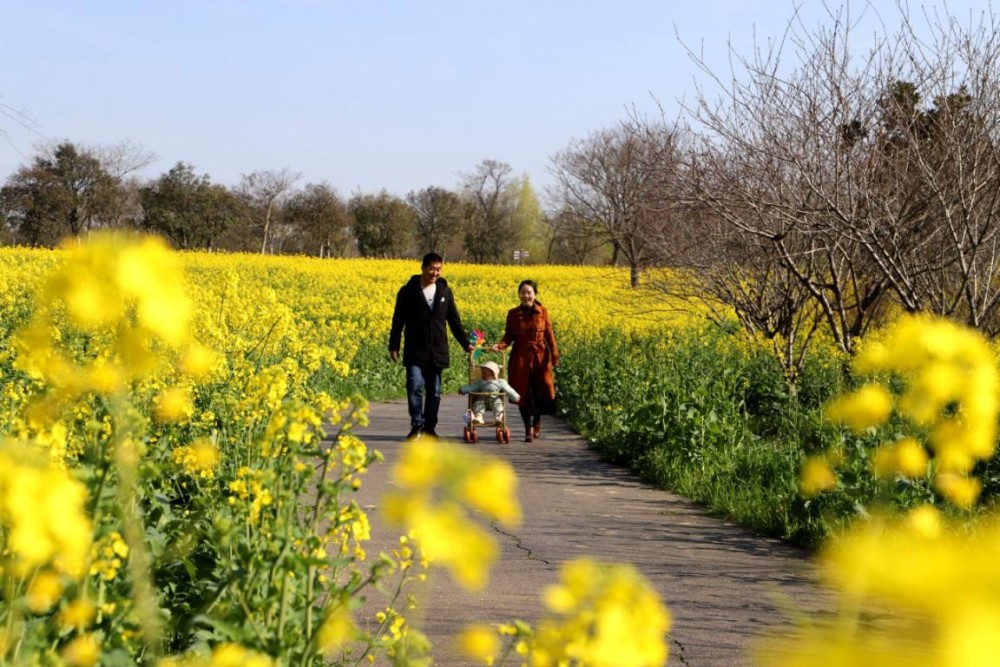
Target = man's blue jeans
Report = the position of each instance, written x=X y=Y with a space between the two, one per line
x=423 y=396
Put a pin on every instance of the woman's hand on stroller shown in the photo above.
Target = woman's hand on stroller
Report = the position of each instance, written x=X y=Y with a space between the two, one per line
x=495 y=347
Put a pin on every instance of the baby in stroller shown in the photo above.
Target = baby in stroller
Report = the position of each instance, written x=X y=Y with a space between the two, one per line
x=490 y=382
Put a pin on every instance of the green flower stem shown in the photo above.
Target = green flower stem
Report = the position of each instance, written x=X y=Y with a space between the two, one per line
x=139 y=565
x=282 y=614
x=311 y=572
x=14 y=611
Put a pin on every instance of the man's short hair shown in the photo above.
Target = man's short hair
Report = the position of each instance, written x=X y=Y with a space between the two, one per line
x=431 y=258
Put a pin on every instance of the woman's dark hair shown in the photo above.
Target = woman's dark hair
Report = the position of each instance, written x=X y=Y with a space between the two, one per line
x=533 y=286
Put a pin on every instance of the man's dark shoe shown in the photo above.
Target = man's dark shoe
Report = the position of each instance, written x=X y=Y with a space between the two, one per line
x=431 y=432
x=414 y=433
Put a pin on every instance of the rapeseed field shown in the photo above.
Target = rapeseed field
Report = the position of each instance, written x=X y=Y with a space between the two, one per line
x=180 y=448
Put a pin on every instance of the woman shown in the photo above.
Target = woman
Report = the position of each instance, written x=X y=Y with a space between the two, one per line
x=534 y=355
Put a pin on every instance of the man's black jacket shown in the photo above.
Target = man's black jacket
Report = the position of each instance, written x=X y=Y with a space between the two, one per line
x=423 y=327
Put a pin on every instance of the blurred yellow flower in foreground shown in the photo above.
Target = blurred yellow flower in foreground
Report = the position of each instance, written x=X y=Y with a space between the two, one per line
x=338 y=629
x=939 y=579
x=100 y=278
x=173 y=405
x=603 y=615
x=42 y=510
x=816 y=475
x=43 y=592
x=81 y=651
x=952 y=385
x=906 y=457
x=223 y=655
x=77 y=614
x=436 y=481
x=479 y=642
x=862 y=409
x=951 y=391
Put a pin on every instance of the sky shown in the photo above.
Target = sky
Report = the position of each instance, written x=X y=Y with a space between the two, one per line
x=362 y=94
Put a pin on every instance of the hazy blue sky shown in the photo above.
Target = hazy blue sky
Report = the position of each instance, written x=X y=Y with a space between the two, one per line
x=363 y=94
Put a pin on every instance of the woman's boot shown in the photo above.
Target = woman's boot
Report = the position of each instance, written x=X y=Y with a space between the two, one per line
x=536 y=427
x=526 y=418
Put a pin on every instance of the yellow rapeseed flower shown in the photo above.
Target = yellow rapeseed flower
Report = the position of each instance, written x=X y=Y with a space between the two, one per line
x=479 y=642
x=421 y=465
x=198 y=362
x=816 y=476
x=868 y=406
x=77 y=614
x=911 y=458
x=491 y=489
x=337 y=631
x=199 y=459
x=435 y=481
x=173 y=404
x=951 y=389
x=961 y=491
x=149 y=272
x=906 y=457
x=108 y=555
x=235 y=655
x=44 y=591
x=81 y=651
x=447 y=537
x=42 y=508
x=925 y=520
x=939 y=580
x=604 y=616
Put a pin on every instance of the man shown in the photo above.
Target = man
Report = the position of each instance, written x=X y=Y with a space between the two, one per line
x=423 y=306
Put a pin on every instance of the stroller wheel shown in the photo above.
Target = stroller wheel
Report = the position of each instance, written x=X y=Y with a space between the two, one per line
x=465 y=434
x=506 y=435
x=499 y=435
x=474 y=435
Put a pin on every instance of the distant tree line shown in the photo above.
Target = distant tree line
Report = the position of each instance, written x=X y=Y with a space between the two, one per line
x=812 y=192
x=68 y=190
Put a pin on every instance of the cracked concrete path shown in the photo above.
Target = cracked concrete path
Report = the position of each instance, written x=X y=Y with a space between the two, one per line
x=724 y=586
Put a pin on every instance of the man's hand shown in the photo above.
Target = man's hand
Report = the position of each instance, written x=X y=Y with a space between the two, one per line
x=394 y=355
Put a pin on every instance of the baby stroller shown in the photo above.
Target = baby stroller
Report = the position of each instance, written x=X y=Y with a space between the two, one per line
x=499 y=423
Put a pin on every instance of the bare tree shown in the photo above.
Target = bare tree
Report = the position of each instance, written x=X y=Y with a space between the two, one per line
x=931 y=153
x=572 y=239
x=123 y=160
x=614 y=180
x=729 y=272
x=491 y=196
x=264 y=191
x=859 y=188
